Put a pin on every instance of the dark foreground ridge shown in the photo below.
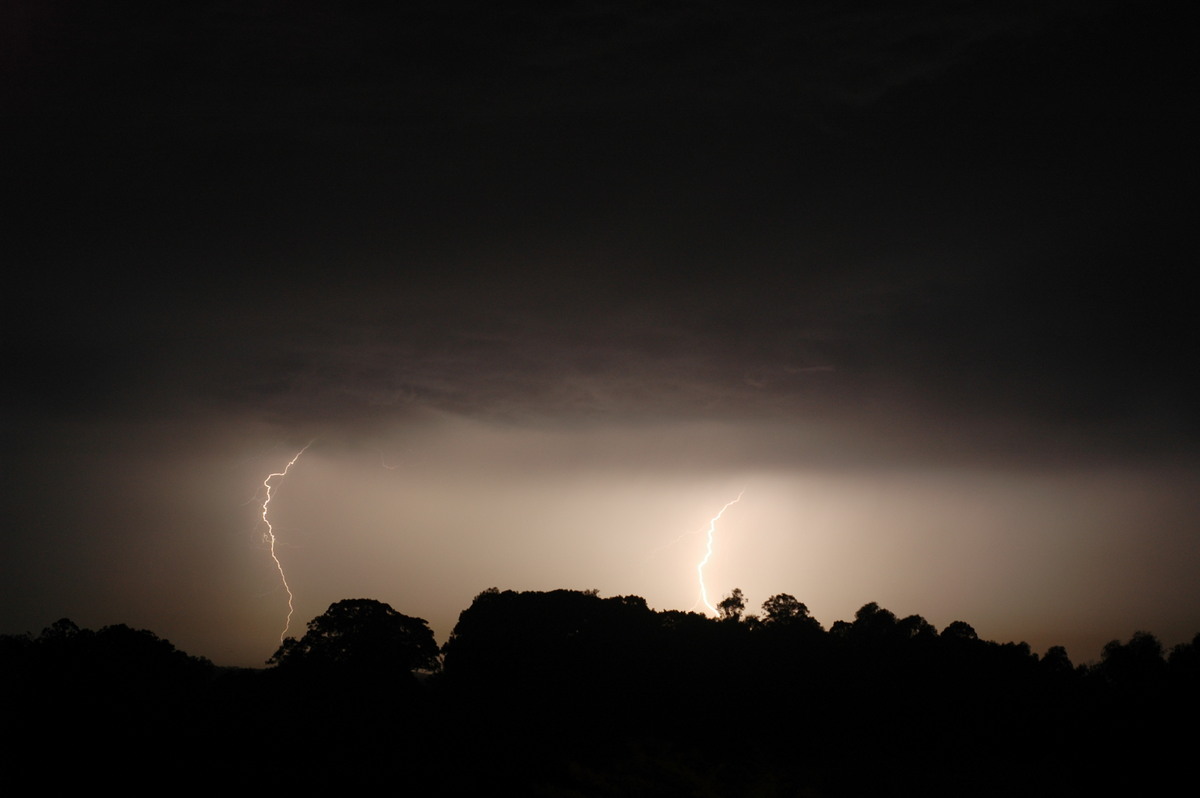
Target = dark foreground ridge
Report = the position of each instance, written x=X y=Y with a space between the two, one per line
x=565 y=693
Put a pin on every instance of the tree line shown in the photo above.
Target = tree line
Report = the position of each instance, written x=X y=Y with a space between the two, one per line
x=569 y=693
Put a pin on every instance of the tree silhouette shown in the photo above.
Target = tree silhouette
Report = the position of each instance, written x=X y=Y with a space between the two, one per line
x=916 y=627
x=1138 y=664
x=363 y=636
x=1056 y=661
x=784 y=611
x=732 y=606
x=960 y=631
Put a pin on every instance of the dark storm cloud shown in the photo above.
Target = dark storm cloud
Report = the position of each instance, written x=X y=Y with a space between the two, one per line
x=970 y=214
x=332 y=66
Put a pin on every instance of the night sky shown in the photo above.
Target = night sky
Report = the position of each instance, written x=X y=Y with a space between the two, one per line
x=546 y=285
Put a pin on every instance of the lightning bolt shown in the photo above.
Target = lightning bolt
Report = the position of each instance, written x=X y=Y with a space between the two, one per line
x=270 y=537
x=712 y=529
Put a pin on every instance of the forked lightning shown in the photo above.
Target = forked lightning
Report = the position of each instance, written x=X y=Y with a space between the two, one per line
x=712 y=529
x=269 y=537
